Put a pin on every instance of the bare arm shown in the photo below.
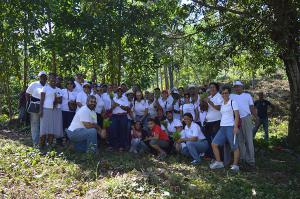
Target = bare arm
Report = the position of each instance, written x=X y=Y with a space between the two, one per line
x=217 y=107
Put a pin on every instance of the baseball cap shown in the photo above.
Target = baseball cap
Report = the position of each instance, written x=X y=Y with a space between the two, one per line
x=130 y=91
x=42 y=73
x=86 y=84
x=237 y=83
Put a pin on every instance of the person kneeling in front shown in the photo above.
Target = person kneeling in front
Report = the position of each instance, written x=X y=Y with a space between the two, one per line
x=193 y=142
x=83 y=129
x=158 y=140
x=227 y=132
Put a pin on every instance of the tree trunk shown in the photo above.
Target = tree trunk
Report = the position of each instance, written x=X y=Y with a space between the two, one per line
x=157 y=78
x=170 y=69
x=292 y=66
x=161 y=78
x=166 y=77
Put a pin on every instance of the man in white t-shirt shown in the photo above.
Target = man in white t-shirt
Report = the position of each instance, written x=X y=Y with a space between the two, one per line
x=213 y=115
x=79 y=81
x=81 y=98
x=83 y=129
x=245 y=137
x=33 y=95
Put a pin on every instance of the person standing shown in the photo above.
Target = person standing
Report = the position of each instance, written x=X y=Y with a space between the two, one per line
x=33 y=97
x=119 y=136
x=50 y=113
x=81 y=98
x=78 y=83
x=188 y=107
x=166 y=101
x=140 y=109
x=228 y=131
x=213 y=115
x=68 y=105
x=176 y=103
x=84 y=129
x=245 y=137
x=152 y=106
x=262 y=106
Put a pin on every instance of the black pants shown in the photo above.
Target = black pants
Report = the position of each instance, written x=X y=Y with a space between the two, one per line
x=210 y=131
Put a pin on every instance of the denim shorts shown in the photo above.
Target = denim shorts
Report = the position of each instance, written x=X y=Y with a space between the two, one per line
x=225 y=134
x=160 y=143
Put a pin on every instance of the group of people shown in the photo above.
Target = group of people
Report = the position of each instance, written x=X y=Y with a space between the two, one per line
x=198 y=122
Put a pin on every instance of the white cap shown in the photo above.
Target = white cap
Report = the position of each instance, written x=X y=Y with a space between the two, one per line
x=237 y=83
x=174 y=90
x=178 y=124
x=130 y=91
x=85 y=83
x=192 y=86
x=42 y=73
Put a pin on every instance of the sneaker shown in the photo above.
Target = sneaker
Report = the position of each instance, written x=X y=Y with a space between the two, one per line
x=235 y=168
x=216 y=165
x=196 y=162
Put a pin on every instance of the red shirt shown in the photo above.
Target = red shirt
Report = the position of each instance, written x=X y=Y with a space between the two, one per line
x=156 y=130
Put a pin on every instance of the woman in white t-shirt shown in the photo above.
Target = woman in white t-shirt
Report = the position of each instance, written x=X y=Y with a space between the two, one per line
x=229 y=127
x=193 y=142
x=188 y=107
x=140 y=109
x=152 y=107
x=50 y=112
x=68 y=105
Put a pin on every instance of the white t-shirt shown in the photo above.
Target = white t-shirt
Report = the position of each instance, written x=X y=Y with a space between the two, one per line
x=35 y=89
x=107 y=101
x=227 y=113
x=188 y=108
x=123 y=101
x=171 y=125
x=202 y=116
x=50 y=94
x=139 y=108
x=167 y=104
x=100 y=104
x=193 y=131
x=82 y=97
x=78 y=87
x=213 y=114
x=83 y=115
x=66 y=97
x=244 y=102
x=151 y=109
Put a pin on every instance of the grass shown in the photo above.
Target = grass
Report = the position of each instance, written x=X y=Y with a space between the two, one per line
x=25 y=173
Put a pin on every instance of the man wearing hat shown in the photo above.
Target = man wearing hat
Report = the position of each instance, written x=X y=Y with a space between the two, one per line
x=79 y=83
x=83 y=95
x=33 y=97
x=176 y=103
x=245 y=136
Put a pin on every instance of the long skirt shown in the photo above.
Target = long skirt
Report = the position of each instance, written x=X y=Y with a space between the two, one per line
x=51 y=122
x=119 y=136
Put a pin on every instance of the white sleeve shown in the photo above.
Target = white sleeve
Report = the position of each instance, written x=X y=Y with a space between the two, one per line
x=30 y=89
x=219 y=101
x=195 y=130
x=79 y=98
x=146 y=105
x=235 y=106
x=84 y=116
x=183 y=134
x=181 y=107
x=250 y=100
x=44 y=89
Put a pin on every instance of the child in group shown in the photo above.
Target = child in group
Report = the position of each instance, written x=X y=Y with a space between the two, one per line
x=137 y=135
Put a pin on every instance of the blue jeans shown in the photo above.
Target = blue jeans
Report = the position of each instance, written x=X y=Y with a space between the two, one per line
x=84 y=139
x=119 y=135
x=224 y=134
x=35 y=127
x=265 y=123
x=194 y=149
